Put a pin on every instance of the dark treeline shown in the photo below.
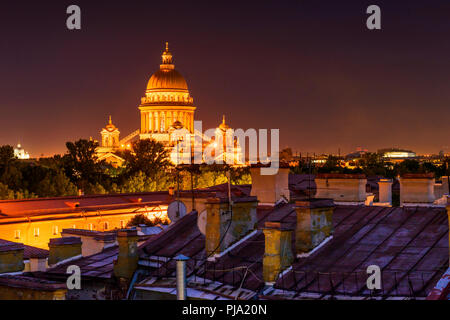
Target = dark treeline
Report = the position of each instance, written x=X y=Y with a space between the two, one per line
x=374 y=164
x=146 y=168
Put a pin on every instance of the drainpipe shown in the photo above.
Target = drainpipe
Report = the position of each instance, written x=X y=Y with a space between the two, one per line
x=181 y=277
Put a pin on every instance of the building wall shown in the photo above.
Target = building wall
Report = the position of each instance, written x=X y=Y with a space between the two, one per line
x=38 y=233
x=12 y=293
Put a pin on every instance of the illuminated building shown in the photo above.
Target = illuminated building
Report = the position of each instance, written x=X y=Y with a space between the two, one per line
x=35 y=221
x=166 y=101
x=110 y=144
x=400 y=154
x=20 y=153
x=167 y=116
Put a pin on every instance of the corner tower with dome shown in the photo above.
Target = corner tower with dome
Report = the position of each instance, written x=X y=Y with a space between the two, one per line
x=167 y=102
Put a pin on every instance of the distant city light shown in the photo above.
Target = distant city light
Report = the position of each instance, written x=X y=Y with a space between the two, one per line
x=399 y=154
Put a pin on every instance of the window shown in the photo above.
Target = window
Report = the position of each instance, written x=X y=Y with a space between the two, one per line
x=55 y=230
x=74 y=226
x=16 y=234
x=91 y=227
x=105 y=225
x=122 y=224
x=36 y=232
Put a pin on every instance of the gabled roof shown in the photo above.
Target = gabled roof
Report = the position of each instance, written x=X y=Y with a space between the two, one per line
x=29 y=251
x=409 y=244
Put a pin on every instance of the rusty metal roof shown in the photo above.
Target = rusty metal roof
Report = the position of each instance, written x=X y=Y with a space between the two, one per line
x=28 y=251
x=409 y=244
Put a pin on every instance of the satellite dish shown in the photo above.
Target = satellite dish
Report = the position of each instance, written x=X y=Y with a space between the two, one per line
x=201 y=222
x=176 y=210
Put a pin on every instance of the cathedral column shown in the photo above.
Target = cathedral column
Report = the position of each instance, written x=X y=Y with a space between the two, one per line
x=150 y=120
x=142 y=122
x=157 y=122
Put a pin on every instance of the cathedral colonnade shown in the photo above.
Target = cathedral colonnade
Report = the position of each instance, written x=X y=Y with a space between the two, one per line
x=159 y=121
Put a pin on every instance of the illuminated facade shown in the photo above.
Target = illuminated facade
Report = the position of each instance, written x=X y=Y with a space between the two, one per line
x=20 y=153
x=110 y=144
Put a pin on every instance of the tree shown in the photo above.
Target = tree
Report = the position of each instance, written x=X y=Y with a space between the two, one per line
x=5 y=192
x=286 y=155
x=10 y=175
x=81 y=163
x=141 y=218
x=148 y=156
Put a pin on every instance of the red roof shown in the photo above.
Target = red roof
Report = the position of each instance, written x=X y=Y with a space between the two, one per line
x=43 y=206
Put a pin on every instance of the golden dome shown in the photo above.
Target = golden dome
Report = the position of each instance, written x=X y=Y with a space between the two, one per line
x=166 y=77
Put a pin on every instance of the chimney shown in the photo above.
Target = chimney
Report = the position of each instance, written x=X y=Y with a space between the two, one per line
x=127 y=259
x=92 y=241
x=417 y=189
x=385 y=191
x=441 y=189
x=314 y=224
x=11 y=257
x=341 y=187
x=224 y=227
x=270 y=188
x=63 y=248
x=278 y=253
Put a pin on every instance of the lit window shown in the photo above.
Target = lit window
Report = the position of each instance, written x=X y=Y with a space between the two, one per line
x=74 y=226
x=16 y=234
x=122 y=224
x=106 y=225
x=91 y=227
x=55 y=230
x=36 y=232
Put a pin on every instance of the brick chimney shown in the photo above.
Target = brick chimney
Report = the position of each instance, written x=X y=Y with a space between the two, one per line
x=341 y=187
x=314 y=223
x=223 y=227
x=385 y=191
x=270 y=188
x=417 y=189
x=63 y=248
x=278 y=253
x=11 y=257
x=127 y=259
x=92 y=241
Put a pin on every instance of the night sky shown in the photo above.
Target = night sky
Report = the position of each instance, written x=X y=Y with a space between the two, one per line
x=310 y=68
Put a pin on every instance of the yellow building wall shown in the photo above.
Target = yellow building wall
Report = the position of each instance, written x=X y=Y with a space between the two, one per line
x=39 y=233
x=11 y=293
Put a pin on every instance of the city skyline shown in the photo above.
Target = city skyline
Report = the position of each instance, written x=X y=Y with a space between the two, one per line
x=313 y=71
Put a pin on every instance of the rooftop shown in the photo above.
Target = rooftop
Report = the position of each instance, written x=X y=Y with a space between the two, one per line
x=409 y=244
